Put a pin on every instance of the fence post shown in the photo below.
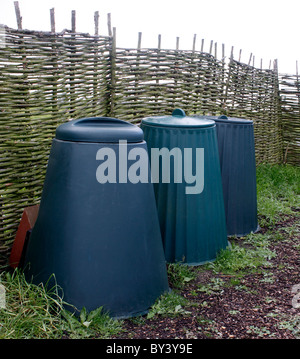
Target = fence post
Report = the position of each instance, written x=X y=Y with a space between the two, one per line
x=18 y=15
x=54 y=64
x=112 y=85
x=72 y=65
x=96 y=59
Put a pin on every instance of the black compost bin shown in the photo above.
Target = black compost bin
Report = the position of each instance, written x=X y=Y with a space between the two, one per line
x=236 y=145
x=97 y=230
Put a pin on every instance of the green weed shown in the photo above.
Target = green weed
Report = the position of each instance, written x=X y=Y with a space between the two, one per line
x=169 y=304
x=179 y=275
x=215 y=286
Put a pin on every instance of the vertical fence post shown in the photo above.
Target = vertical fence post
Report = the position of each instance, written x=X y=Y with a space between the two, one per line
x=224 y=105
x=52 y=20
x=72 y=64
x=157 y=92
x=194 y=42
x=24 y=85
x=54 y=64
x=137 y=72
x=176 y=72
x=109 y=25
x=96 y=60
x=202 y=45
x=112 y=86
x=18 y=15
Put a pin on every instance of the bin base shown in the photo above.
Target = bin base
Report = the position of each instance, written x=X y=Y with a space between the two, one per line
x=245 y=234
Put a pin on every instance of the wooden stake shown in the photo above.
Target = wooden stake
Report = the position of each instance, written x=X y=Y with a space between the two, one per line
x=139 y=40
x=202 y=45
x=113 y=71
x=109 y=24
x=159 y=42
x=211 y=45
x=96 y=22
x=231 y=55
x=194 y=42
x=114 y=34
x=250 y=59
x=18 y=15
x=52 y=20
x=73 y=21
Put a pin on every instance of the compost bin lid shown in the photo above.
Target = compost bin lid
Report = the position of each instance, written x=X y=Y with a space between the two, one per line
x=178 y=119
x=231 y=120
x=99 y=129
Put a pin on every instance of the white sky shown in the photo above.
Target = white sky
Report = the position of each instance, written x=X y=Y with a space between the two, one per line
x=267 y=28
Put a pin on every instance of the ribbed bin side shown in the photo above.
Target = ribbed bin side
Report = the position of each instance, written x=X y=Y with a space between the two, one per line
x=193 y=226
x=238 y=169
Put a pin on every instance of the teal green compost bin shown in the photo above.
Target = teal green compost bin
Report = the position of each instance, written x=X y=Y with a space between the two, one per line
x=97 y=229
x=186 y=175
x=237 y=161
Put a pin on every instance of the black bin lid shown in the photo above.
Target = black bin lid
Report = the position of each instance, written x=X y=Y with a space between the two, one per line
x=227 y=120
x=231 y=120
x=99 y=129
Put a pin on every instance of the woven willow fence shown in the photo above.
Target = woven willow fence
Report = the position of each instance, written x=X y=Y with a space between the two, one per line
x=49 y=78
x=290 y=105
x=45 y=80
x=154 y=81
x=254 y=94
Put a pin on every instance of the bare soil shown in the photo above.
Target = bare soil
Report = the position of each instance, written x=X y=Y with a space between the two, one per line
x=255 y=305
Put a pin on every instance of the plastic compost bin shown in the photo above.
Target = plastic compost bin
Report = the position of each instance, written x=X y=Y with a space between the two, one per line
x=237 y=160
x=97 y=231
x=187 y=185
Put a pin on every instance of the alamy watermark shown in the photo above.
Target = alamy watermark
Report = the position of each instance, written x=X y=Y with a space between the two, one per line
x=134 y=166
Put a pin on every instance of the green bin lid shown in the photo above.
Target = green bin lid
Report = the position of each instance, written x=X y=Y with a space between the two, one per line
x=178 y=119
x=99 y=129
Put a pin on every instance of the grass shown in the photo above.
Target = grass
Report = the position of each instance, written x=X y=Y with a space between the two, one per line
x=33 y=311
x=278 y=192
x=248 y=256
x=38 y=312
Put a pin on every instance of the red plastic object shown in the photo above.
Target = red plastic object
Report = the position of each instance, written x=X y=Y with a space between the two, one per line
x=27 y=222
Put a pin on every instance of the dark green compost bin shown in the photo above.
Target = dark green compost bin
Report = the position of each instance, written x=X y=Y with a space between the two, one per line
x=187 y=184
x=237 y=160
x=97 y=230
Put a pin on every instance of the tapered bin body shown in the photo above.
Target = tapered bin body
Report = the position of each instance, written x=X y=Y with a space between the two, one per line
x=237 y=161
x=190 y=205
x=102 y=241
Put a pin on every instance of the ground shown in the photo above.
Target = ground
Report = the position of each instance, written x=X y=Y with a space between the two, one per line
x=258 y=304
x=251 y=291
